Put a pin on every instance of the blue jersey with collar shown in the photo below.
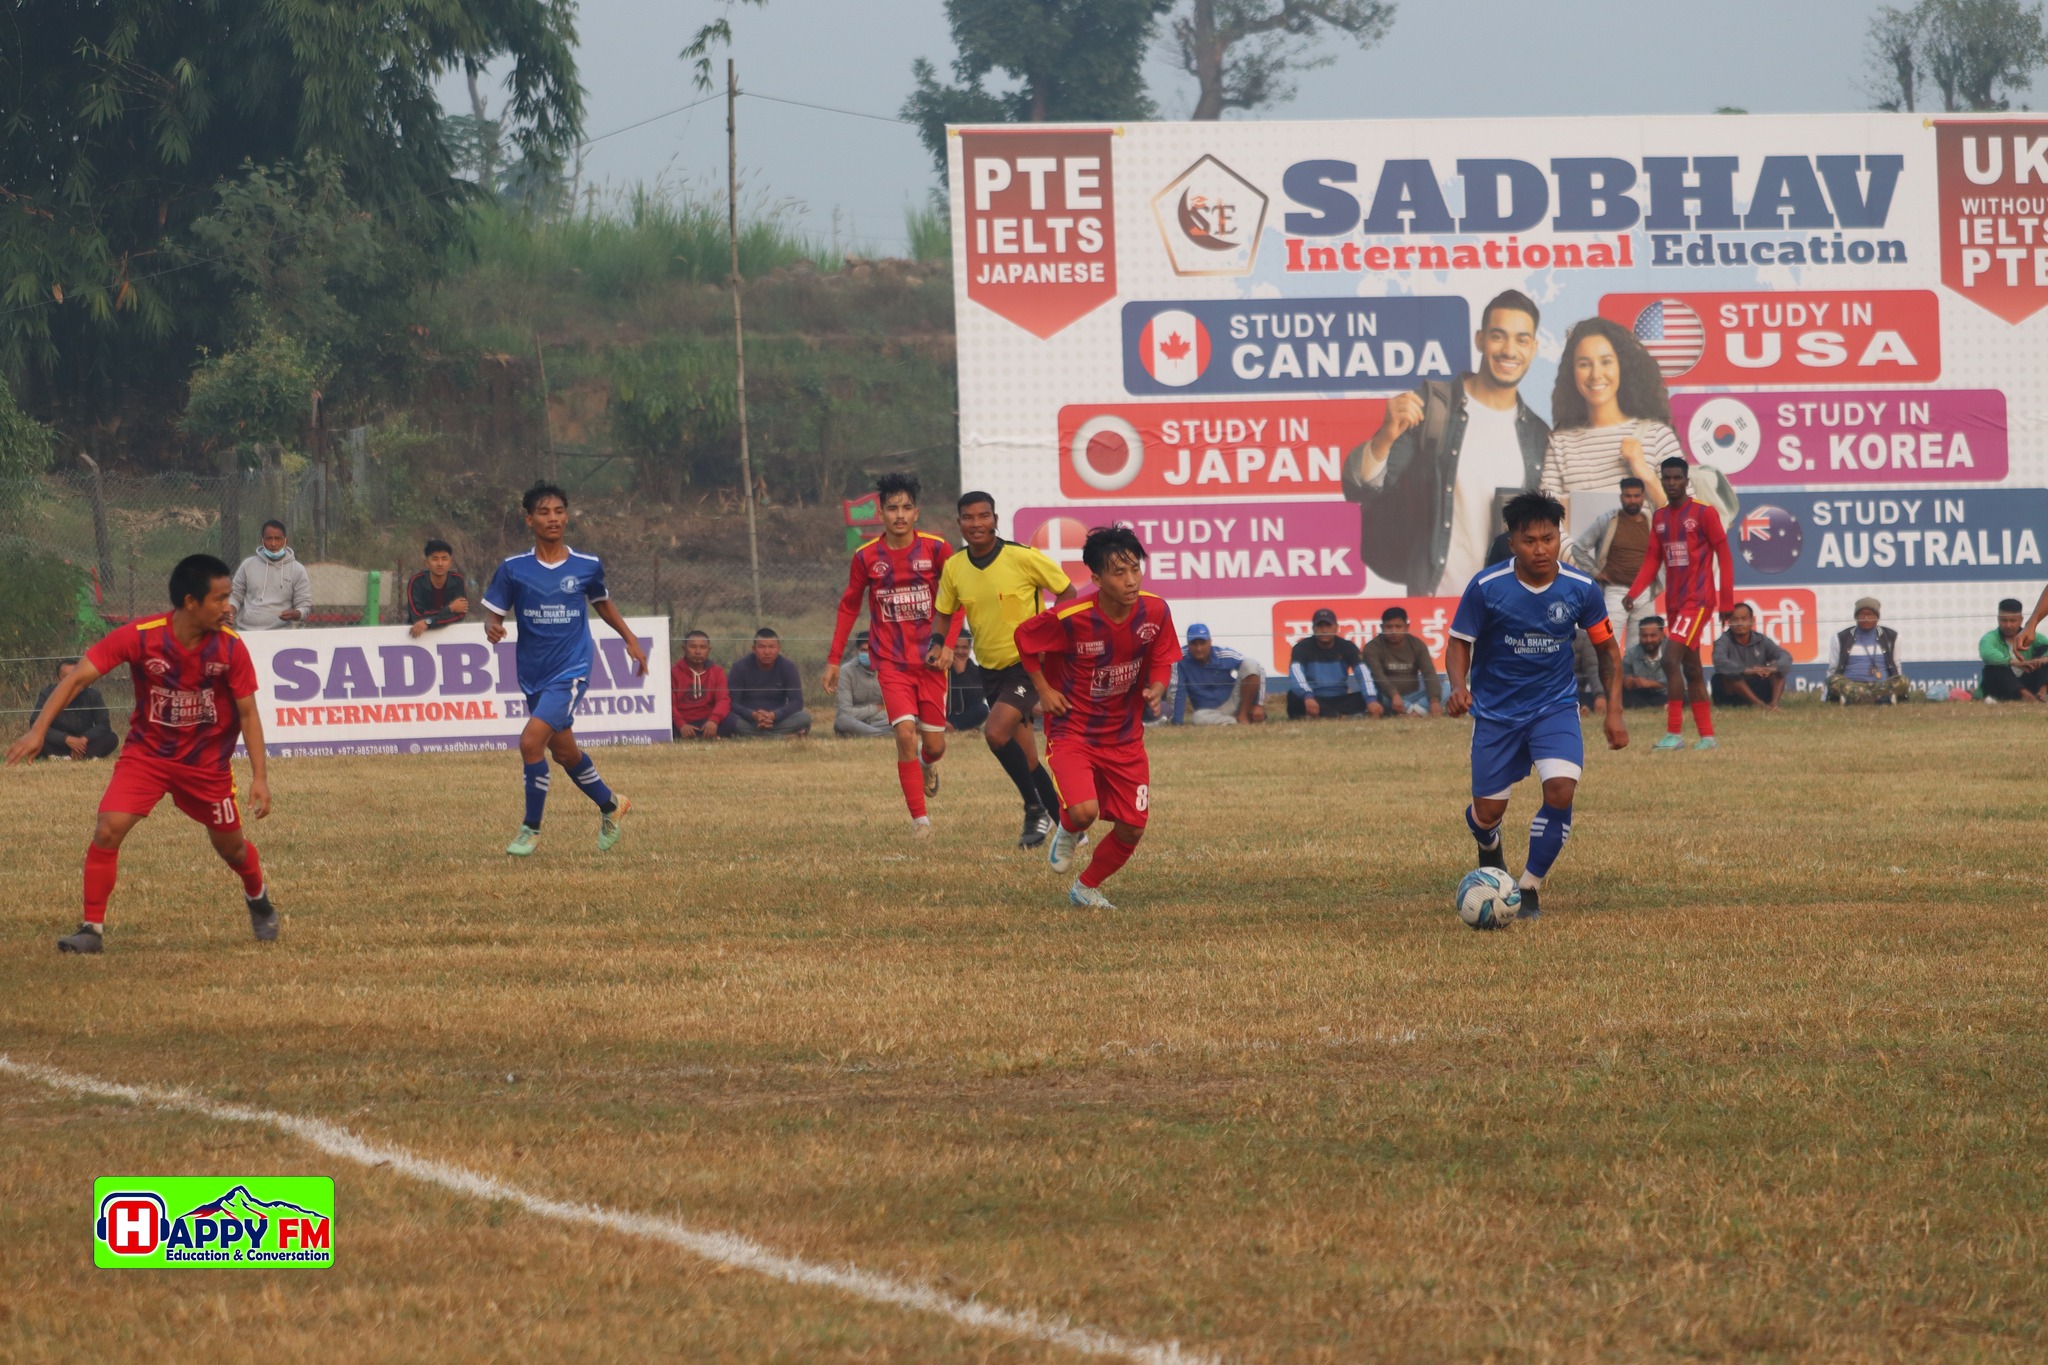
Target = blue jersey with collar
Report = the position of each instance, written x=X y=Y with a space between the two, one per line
x=1521 y=640
x=550 y=604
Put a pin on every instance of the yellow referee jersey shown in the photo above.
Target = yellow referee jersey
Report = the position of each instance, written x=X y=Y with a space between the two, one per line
x=999 y=596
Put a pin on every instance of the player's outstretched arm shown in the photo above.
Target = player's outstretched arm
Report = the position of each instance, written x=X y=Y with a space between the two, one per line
x=1458 y=663
x=30 y=745
x=608 y=610
x=258 y=804
x=1610 y=683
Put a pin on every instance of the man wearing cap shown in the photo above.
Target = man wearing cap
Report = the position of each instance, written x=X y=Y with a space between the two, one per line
x=1215 y=685
x=1328 y=674
x=1866 y=667
x=2012 y=671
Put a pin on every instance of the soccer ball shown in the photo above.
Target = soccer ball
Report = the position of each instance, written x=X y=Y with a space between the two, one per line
x=1487 y=898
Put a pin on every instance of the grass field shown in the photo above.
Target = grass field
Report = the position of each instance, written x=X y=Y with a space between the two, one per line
x=1765 y=1083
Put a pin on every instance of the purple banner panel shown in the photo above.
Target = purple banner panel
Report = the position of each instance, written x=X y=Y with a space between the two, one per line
x=1846 y=439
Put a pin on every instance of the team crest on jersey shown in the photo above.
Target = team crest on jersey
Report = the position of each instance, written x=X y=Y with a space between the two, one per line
x=1558 y=613
x=877 y=569
x=1147 y=633
x=157 y=667
x=1692 y=524
x=570 y=582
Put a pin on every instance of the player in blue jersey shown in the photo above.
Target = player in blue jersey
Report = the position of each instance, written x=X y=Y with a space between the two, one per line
x=550 y=592
x=1510 y=661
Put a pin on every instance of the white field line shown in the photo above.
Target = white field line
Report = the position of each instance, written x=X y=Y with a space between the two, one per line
x=723 y=1248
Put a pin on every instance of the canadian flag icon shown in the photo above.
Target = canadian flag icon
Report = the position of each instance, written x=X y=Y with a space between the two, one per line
x=1174 y=347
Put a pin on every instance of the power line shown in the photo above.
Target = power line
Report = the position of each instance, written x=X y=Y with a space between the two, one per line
x=826 y=108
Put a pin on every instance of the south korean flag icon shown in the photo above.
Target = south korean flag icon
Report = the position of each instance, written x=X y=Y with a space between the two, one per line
x=1174 y=348
x=1724 y=433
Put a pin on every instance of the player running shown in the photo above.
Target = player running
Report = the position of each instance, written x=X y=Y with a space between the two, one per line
x=996 y=584
x=1686 y=541
x=900 y=575
x=1098 y=666
x=195 y=692
x=550 y=592
x=1510 y=661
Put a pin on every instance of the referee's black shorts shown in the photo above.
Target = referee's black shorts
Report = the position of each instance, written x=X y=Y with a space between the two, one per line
x=1011 y=685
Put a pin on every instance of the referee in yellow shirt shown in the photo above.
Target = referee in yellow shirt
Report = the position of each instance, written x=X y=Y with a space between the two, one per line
x=998 y=584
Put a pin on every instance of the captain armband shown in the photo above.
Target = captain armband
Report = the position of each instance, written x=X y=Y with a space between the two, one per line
x=1600 y=632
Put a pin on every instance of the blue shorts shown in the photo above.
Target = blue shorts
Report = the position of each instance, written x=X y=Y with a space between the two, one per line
x=1502 y=754
x=556 y=703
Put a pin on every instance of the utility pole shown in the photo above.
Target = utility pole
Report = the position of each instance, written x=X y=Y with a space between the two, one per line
x=739 y=331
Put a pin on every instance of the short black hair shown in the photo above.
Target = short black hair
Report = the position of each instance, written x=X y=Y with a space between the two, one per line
x=1656 y=621
x=1678 y=460
x=438 y=547
x=1749 y=607
x=1633 y=482
x=540 y=490
x=193 y=577
x=1527 y=509
x=896 y=481
x=696 y=635
x=1393 y=614
x=766 y=633
x=1513 y=299
x=1106 y=542
x=278 y=524
x=2010 y=605
x=968 y=500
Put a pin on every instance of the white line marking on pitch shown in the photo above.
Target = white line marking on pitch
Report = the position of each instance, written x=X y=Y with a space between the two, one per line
x=724 y=1248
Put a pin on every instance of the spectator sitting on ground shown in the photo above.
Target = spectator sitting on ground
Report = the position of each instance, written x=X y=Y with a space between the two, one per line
x=1642 y=667
x=1866 y=665
x=767 y=693
x=1586 y=671
x=2010 y=673
x=1216 y=685
x=436 y=596
x=860 y=713
x=271 y=589
x=1402 y=671
x=1750 y=667
x=697 y=692
x=81 y=729
x=1328 y=674
x=966 y=706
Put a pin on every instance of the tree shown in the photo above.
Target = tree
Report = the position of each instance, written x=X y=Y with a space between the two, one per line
x=1241 y=52
x=25 y=450
x=1977 y=53
x=1072 y=61
x=119 y=118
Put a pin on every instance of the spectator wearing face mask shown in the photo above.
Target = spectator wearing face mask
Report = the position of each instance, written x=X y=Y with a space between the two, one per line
x=861 y=712
x=271 y=589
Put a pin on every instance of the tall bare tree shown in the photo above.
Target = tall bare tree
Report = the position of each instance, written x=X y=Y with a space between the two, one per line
x=1242 y=53
x=1978 y=54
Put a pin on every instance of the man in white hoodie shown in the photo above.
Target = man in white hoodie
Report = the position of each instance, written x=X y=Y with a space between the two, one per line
x=272 y=589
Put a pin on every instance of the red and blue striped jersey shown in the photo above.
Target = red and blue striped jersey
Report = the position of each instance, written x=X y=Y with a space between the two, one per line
x=1101 y=666
x=1687 y=542
x=184 y=698
x=901 y=588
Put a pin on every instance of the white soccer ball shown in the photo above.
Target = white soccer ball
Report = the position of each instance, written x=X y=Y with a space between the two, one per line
x=1487 y=898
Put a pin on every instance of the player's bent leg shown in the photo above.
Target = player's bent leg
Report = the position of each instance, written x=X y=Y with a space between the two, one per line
x=239 y=853
x=102 y=865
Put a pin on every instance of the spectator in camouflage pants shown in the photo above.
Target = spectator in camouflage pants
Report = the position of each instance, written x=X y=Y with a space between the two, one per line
x=1866 y=668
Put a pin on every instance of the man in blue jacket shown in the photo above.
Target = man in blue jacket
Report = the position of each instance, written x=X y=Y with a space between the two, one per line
x=1215 y=685
x=1328 y=674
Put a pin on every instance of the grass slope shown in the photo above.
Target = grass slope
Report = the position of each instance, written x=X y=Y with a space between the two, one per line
x=1763 y=1084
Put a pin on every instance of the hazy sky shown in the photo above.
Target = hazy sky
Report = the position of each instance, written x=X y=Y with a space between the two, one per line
x=1445 y=58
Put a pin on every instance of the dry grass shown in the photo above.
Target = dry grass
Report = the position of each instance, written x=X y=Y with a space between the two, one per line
x=1765 y=1083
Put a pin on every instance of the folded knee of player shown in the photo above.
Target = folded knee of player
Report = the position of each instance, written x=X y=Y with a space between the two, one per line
x=1080 y=815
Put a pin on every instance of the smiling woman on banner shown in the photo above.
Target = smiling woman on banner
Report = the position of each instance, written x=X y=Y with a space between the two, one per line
x=1610 y=416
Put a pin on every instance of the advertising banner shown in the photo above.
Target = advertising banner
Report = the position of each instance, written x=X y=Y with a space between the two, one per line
x=1198 y=329
x=379 y=690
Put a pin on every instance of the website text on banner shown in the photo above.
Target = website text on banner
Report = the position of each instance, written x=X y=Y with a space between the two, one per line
x=1268 y=347
x=377 y=690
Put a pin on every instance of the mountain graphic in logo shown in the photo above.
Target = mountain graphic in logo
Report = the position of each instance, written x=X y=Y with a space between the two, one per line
x=239 y=1203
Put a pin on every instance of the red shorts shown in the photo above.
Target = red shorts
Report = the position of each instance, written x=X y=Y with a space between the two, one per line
x=206 y=794
x=1118 y=777
x=1687 y=624
x=917 y=694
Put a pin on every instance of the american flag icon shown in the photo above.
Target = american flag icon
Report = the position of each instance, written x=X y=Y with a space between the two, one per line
x=1673 y=335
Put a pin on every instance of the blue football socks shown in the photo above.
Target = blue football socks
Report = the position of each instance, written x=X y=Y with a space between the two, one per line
x=1547 y=832
x=536 y=792
x=584 y=771
x=1488 y=838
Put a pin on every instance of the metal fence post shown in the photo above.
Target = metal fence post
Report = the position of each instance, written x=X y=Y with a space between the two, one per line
x=103 y=554
x=231 y=506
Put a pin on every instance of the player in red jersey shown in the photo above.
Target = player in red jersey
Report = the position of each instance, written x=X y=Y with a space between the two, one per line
x=1099 y=665
x=1687 y=542
x=195 y=691
x=899 y=574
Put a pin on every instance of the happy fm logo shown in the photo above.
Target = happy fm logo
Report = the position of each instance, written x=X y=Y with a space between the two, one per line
x=136 y=1223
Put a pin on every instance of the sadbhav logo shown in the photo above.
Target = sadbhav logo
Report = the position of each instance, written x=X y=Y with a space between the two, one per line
x=229 y=1222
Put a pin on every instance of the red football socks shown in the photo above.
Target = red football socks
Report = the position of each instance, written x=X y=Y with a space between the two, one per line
x=910 y=773
x=1703 y=718
x=1111 y=854
x=100 y=865
x=1674 y=716
x=251 y=871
